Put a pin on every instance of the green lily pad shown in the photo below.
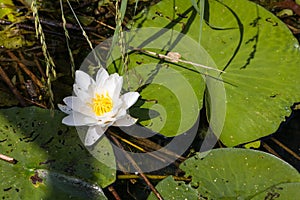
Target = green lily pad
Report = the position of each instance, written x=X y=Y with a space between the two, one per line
x=257 y=51
x=171 y=189
x=172 y=108
x=237 y=173
x=233 y=174
x=171 y=92
x=52 y=161
x=280 y=192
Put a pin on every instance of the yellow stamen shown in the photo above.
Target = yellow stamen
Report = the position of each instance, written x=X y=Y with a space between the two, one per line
x=102 y=104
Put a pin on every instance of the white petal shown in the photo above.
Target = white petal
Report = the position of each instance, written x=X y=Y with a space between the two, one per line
x=65 y=108
x=84 y=95
x=113 y=86
x=69 y=120
x=108 y=123
x=72 y=101
x=117 y=113
x=122 y=113
x=130 y=98
x=93 y=134
x=78 y=119
x=101 y=77
x=125 y=121
x=76 y=104
x=83 y=83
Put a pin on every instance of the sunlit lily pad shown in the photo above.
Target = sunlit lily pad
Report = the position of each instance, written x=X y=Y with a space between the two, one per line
x=234 y=174
x=237 y=173
x=280 y=192
x=171 y=189
x=258 y=52
x=52 y=161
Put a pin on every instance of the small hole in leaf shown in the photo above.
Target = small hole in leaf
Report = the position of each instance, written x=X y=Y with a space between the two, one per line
x=3 y=140
x=7 y=189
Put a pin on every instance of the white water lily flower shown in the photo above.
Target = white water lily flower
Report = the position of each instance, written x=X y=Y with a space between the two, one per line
x=98 y=104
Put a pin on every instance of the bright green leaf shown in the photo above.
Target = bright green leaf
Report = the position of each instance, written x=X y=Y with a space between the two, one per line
x=6 y=10
x=170 y=189
x=254 y=145
x=258 y=52
x=171 y=93
x=233 y=174
x=284 y=191
x=237 y=173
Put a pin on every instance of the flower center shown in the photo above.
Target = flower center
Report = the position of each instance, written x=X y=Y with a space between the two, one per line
x=102 y=104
